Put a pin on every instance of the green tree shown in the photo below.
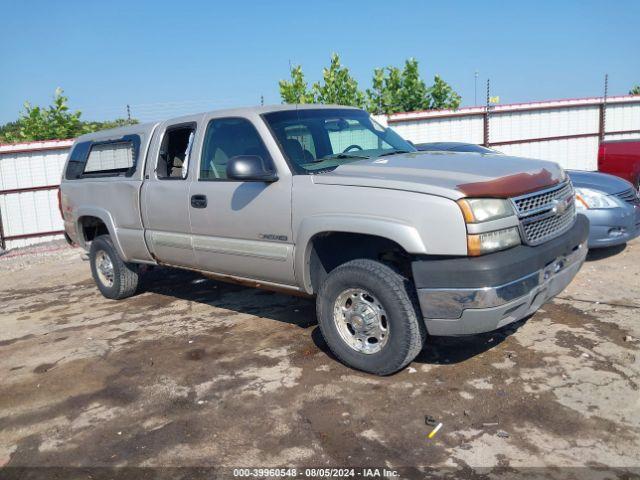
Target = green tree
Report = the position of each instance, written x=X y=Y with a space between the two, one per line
x=413 y=93
x=56 y=121
x=394 y=90
x=635 y=90
x=8 y=130
x=442 y=96
x=384 y=96
x=338 y=86
x=375 y=94
x=295 y=90
x=118 y=122
x=53 y=122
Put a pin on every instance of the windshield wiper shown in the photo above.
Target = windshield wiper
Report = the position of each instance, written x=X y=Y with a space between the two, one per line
x=343 y=155
x=393 y=152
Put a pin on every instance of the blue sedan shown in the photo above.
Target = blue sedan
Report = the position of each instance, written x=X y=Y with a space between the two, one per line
x=611 y=204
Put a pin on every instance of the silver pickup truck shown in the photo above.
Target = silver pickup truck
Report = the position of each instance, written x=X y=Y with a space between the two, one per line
x=323 y=200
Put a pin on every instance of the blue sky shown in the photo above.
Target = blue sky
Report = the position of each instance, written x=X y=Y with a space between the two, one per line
x=168 y=58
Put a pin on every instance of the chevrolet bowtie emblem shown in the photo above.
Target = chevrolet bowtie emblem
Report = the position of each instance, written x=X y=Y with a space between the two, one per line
x=560 y=206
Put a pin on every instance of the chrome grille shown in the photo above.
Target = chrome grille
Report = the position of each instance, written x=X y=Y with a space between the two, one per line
x=537 y=231
x=545 y=214
x=629 y=196
x=539 y=201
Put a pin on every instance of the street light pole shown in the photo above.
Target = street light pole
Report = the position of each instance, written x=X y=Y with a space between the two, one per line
x=475 y=89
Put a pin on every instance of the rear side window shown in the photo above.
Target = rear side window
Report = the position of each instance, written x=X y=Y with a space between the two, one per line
x=104 y=159
x=110 y=158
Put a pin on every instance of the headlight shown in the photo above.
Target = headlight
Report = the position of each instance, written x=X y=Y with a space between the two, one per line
x=563 y=175
x=492 y=241
x=478 y=210
x=483 y=209
x=588 y=198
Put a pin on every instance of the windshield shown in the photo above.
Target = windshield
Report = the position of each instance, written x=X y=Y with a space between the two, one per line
x=319 y=140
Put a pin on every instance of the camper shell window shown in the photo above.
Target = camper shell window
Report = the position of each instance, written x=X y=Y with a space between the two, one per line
x=104 y=159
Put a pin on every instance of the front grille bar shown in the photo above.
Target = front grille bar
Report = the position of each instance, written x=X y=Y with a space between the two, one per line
x=629 y=196
x=545 y=214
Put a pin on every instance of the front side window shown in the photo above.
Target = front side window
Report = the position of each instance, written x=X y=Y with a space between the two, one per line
x=323 y=139
x=173 y=160
x=226 y=138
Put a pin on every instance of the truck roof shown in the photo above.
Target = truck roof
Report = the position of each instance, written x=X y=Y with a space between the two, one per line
x=147 y=128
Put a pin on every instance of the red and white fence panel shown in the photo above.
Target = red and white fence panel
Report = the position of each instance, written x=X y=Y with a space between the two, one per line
x=564 y=131
x=29 y=179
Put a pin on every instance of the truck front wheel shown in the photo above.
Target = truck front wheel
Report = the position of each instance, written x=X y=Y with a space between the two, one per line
x=115 y=278
x=369 y=317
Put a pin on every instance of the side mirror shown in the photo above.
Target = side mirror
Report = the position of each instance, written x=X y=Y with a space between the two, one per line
x=250 y=168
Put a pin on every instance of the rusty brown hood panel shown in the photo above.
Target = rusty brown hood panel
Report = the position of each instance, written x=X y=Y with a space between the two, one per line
x=512 y=185
x=448 y=174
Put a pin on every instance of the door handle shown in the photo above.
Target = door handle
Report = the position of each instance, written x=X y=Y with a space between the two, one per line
x=199 y=201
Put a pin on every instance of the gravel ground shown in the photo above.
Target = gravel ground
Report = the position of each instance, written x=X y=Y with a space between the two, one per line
x=192 y=372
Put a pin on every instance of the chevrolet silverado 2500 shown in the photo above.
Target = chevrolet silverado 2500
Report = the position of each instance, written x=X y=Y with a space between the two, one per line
x=394 y=244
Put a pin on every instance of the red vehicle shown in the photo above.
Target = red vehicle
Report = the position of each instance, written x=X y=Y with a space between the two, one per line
x=621 y=158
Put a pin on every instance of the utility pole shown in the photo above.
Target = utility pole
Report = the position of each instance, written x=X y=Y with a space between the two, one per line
x=475 y=88
x=488 y=92
x=486 y=116
x=3 y=245
x=603 y=109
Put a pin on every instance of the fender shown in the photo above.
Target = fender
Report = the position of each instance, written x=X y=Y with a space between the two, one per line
x=405 y=235
x=107 y=219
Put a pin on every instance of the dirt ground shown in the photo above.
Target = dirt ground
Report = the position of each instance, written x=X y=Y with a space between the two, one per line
x=192 y=372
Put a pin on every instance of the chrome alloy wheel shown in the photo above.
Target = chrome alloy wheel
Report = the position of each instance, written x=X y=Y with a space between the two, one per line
x=361 y=321
x=104 y=268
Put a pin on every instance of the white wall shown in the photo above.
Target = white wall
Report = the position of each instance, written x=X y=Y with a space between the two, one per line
x=454 y=129
x=510 y=126
x=27 y=166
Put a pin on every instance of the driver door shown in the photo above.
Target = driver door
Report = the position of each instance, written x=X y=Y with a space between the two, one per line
x=241 y=228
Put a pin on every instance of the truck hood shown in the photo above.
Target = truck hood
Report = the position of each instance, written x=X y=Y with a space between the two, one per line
x=448 y=174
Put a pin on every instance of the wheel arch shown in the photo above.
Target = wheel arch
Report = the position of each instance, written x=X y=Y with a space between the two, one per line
x=375 y=231
x=102 y=220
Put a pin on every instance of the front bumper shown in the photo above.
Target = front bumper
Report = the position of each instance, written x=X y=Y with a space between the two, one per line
x=613 y=226
x=481 y=294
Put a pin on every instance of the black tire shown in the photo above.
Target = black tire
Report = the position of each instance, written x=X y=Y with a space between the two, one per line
x=406 y=333
x=125 y=275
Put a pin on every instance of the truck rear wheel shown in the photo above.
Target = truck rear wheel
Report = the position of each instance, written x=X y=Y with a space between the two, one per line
x=115 y=278
x=369 y=317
